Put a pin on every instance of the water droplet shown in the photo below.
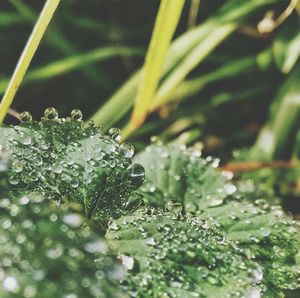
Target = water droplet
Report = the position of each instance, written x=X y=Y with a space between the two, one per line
x=13 y=180
x=127 y=150
x=216 y=202
x=229 y=188
x=23 y=200
x=91 y=123
x=17 y=166
x=253 y=293
x=76 y=115
x=73 y=220
x=25 y=117
x=137 y=173
x=10 y=284
x=127 y=261
x=97 y=246
x=74 y=183
x=174 y=206
x=57 y=168
x=115 y=134
x=112 y=225
x=4 y=157
x=54 y=253
x=150 y=241
x=256 y=274
x=30 y=291
x=177 y=177
x=51 y=114
x=265 y=232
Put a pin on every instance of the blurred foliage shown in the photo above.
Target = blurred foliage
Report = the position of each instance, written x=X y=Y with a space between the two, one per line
x=230 y=80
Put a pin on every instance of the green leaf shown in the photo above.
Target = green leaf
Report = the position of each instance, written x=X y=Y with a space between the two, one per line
x=264 y=233
x=176 y=174
x=64 y=160
x=168 y=256
x=46 y=251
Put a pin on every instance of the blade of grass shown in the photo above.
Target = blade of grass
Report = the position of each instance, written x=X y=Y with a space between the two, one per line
x=57 y=41
x=165 y=26
x=27 y=55
x=67 y=65
x=233 y=68
x=120 y=103
x=196 y=56
x=54 y=38
x=276 y=137
x=9 y=19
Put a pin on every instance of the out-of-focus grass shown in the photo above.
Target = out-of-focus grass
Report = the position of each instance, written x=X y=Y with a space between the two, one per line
x=70 y=64
x=219 y=68
x=27 y=55
x=186 y=52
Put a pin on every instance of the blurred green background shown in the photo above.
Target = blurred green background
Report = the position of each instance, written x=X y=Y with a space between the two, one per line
x=239 y=93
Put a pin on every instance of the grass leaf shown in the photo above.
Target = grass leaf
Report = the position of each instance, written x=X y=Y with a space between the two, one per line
x=27 y=55
x=165 y=25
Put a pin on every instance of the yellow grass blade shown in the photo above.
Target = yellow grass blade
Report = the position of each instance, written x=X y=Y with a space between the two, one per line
x=165 y=25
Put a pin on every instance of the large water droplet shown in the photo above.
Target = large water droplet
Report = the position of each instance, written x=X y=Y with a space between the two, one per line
x=73 y=220
x=115 y=134
x=25 y=117
x=127 y=261
x=97 y=246
x=10 y=284
x=51 y=113
x=76 y=115
x=127 y=150
x=137 y=174
x=17 y=166
x=216 y=202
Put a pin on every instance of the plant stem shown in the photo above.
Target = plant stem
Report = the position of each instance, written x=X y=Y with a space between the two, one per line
x=193 y=13
x=27 y=55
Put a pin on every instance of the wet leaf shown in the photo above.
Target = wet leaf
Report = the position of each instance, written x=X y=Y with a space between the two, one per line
x=265 y=234
x=169 y=256
x=47 y=251
x=66 y=161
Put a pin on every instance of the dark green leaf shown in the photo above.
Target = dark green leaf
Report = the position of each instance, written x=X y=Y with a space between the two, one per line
x=264 y=233
x=46 y=252
x=66 y=161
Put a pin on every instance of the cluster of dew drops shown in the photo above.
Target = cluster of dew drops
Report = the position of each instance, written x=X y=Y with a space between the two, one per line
x=125 y=149
x=213 y=257
x=24 y=267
